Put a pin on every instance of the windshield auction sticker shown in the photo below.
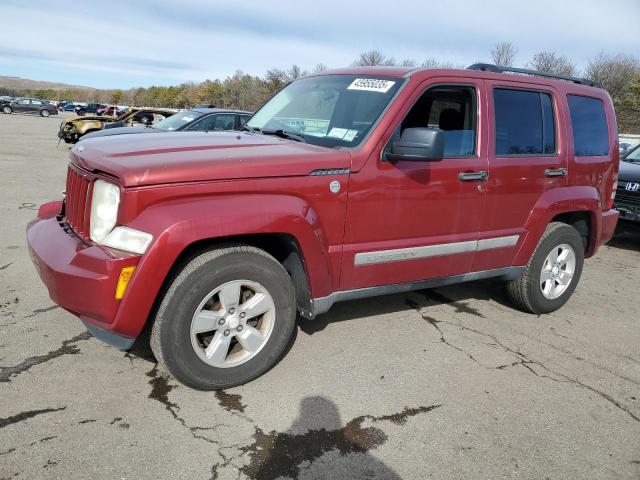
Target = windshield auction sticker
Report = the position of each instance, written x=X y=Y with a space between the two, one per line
x=371 y=85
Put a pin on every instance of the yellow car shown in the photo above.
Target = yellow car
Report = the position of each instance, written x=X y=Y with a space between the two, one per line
x=72 y=129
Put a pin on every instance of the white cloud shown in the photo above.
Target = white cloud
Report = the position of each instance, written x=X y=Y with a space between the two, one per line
x=145 y=42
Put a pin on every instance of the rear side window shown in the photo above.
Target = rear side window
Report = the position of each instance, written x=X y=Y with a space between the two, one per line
x=589 y=124
x=524 y=122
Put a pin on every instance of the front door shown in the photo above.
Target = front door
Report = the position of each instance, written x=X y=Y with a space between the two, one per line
x=409 y=221
x=22 y=105
x=525 y=160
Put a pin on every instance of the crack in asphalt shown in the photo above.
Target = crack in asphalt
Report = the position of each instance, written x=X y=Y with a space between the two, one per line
x=522 y=359
x=160 y=389
x=68 y=347
x=42 y=310
x=275 y=454
x=6 y=266
x=22 y=416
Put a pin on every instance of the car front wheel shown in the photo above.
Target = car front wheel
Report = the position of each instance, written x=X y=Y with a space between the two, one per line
x=7 y=109
x=225 y=319
x=552 y=273
x=44 y=113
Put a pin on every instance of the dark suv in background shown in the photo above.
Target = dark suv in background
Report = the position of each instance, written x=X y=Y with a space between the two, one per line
x=89 y=108
x=628 y=191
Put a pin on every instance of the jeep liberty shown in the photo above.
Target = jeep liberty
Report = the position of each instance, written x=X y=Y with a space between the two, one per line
x=346 y=184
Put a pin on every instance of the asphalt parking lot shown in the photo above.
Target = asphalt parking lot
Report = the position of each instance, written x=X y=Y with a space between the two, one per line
x=446 y=383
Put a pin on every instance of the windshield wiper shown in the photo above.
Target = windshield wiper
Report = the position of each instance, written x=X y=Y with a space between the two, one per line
x=284 y=134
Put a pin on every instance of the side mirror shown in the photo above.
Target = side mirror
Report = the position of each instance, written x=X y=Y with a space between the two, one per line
x=418 y=145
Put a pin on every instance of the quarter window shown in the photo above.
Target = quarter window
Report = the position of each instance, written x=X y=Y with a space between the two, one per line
x=589 y=124
x=524 y=123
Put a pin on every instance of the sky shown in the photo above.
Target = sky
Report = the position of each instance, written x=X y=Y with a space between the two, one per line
x=132 y=43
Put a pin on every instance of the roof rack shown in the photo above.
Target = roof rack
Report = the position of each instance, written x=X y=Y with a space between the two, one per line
x=488 y=67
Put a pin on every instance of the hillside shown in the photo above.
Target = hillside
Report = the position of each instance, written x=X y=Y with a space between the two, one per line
x=18 y=83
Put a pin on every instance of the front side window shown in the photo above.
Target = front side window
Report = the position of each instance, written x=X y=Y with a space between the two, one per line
x=327 y=110
x=589 y=124
x=524 y=123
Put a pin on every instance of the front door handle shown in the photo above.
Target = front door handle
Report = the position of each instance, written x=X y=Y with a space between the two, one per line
x=470 y=176
x=555 y=172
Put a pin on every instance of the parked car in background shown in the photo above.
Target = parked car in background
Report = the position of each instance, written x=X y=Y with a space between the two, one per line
x=72 y=129
x=625 y=147
x=89 y=108
x=407 y=179
x=30 y=105
x=69 y=107
x=111 y=110
x=627 y=199
x=5 y=99
x=192 y=120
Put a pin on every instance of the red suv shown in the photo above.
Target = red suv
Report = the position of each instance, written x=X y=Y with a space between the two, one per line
x=346 y=184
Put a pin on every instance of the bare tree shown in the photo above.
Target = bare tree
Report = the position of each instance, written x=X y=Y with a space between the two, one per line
x=550 y=61
x=372 y=58
x=504 y=54
x=320 y=67
x=433 y=62
x=614 y=72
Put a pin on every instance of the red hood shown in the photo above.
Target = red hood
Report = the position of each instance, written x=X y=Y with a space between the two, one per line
x=150 y=159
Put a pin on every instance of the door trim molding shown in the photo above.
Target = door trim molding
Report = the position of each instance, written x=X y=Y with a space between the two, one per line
x=438 y=250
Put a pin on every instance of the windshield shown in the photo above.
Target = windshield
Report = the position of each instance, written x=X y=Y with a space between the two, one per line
x=174 y=122
x=331 y=110
x=633 y=156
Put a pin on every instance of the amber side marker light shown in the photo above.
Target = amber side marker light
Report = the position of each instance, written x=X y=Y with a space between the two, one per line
x=123 y=281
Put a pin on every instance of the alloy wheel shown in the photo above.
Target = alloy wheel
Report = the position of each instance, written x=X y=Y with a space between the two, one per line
x=232 y=323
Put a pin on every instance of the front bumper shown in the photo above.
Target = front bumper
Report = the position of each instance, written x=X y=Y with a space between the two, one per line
x=628 y=211
x=80 y=277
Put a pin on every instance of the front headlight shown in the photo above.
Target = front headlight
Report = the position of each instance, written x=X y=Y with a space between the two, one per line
x=104 y=214
x=104 y=209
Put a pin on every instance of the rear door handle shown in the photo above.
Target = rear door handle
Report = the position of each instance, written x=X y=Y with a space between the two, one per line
x=470 y=176
x=555 y=172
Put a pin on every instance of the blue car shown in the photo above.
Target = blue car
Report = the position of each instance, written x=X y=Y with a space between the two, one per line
x=69 y=107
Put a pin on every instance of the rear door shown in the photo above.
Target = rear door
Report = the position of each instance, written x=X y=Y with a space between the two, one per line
x=526 y=158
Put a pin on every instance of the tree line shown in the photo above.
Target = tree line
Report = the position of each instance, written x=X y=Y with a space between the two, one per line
x=619 y=74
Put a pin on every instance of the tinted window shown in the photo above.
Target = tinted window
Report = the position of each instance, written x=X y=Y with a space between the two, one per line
x=589 y=124
x=524 y=123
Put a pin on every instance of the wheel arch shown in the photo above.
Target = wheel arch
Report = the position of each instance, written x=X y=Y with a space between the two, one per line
x=181 y=230
x=578 y=206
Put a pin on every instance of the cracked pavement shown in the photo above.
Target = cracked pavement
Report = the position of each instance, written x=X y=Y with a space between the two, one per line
x=444 y=383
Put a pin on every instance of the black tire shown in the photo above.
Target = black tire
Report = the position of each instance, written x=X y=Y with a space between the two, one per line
x=7 y=109
x=44 y=112
x=170 y=334
x=81 y=112
x=144 y=120
x=525 y=292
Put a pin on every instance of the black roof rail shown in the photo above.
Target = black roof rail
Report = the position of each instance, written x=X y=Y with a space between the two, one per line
x=488 y=67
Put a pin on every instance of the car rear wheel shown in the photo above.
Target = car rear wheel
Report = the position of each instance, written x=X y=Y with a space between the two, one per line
x=225 y=319
x=7 y=109
x=82 y=112
x=553 y=272
x=144 y=120
x=44 y=112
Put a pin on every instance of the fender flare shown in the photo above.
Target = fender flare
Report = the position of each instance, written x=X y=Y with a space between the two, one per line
x=553 y=203
x=178 y=224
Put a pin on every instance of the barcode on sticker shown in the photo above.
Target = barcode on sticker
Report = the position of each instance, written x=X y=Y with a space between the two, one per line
x=371 y=85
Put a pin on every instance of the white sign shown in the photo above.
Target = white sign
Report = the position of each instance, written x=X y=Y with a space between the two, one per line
x=371 y=85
